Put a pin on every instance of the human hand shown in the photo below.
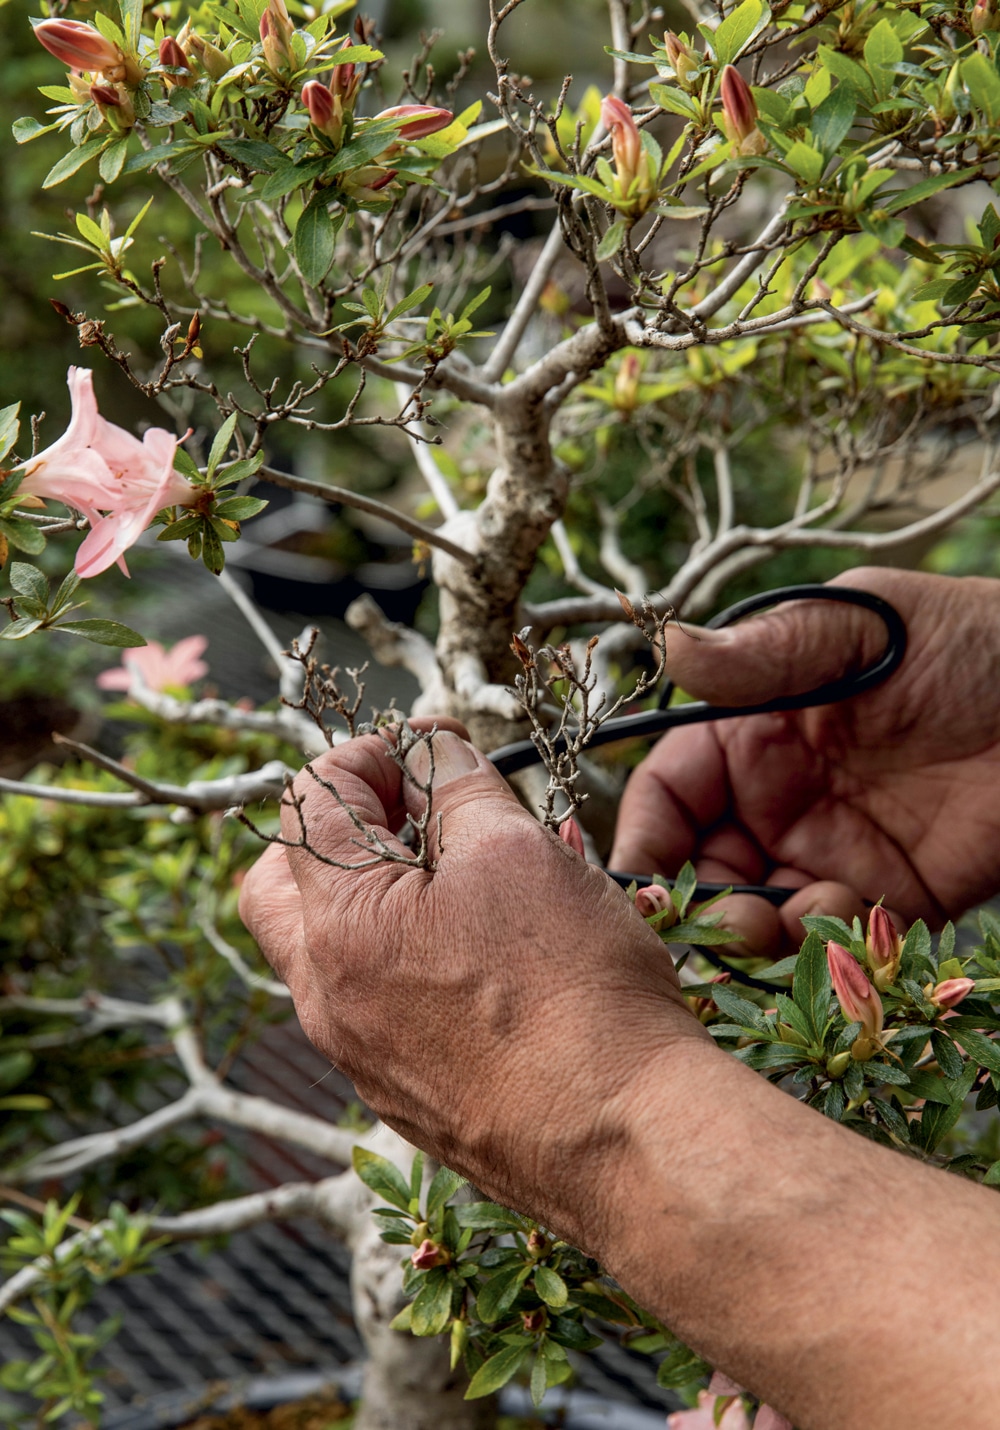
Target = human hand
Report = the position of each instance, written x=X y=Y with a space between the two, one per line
x=493 y=1011
x=890 y=795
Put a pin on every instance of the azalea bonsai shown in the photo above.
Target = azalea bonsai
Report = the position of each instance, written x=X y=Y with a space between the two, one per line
x=746 y=335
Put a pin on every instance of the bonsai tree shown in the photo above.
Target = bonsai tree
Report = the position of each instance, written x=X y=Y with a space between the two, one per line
x=747 y=329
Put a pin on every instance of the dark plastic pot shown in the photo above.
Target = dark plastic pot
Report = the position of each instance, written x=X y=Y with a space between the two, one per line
x=572 y=1409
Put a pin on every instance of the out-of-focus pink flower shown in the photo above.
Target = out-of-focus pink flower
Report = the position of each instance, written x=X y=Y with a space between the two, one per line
x=739 y=113
x=97 y=467
x=951 y=992
x=883 y=947
x=421 y=119
x=428 y=1255
x=569 y=833
x=734 y=1417
x=857 y=997
x=626 y=391
x=767 y=1418
x=653 y=899
x=159 y=668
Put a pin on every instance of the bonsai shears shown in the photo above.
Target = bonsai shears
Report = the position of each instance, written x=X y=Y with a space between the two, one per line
x=511 y=758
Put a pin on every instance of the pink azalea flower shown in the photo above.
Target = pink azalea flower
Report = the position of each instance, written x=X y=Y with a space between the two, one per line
x=97 y=467
x=159 y=668
x=421 y=119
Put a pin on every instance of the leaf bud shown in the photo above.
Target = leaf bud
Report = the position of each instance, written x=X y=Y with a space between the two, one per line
x=838 y=1065
x=739 y=113
x=212 y=60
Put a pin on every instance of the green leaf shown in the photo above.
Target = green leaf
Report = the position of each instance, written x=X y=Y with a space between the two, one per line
x=811 y=984
x=254 y=154
x=487 y=1216
x=805 y=162
x=497 y=1371
x=683 y=889
x=846 y=70
x=69 y=163
x=992 y=1178
x=382 y=1176
x=103 y=632
x=239 y=508
x=22 y=535
x=442 y=1188
x=539 y=1380
x=612 y=241
x=500 y=1292
x=314 y=240
x=29 y=581
x=737 y=29
x=27 y=128
x=221 y=443
x=672 y=99
x=17 y=630
x=834 y=1103
x=551 y=1287
x=980 y=1048
x=741 y=1010
x=883 y=51
x=432 y=1306
x=832 y=120
x=916 y=193
x=915 y=959
x=113 y=160
x=10 y=427
x=983 y=83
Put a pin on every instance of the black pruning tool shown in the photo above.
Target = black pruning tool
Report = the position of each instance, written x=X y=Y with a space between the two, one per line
x=518 y=756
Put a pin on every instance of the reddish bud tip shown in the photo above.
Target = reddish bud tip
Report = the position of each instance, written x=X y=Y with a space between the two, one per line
x=318 y=101
x=428 y=1255
x=78 y=45
x=171 y=54
x=626 y=141
x=654 y=901
x=569 y=833
x=858 y=999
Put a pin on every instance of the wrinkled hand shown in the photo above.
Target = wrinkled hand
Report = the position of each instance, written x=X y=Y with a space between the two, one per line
x=493 y=1011
x=890 y=795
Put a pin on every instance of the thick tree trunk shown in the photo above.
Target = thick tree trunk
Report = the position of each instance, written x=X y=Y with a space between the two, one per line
x=408 y=1382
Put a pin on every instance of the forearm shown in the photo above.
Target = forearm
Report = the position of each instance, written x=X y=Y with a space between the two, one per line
x=847 y=1285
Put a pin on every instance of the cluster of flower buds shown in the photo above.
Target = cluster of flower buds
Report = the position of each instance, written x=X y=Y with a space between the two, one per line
x=212 y=60
x=331 y=107
x=883 y=948
x=739 y=114
x=683 y=59
x=636 y=176
x=858 y=998
x=276 y=32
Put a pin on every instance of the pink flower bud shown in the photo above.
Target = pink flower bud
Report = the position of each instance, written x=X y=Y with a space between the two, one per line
x=682 y=59
x=80 y=46
x=983 y=16
x=276 y=31
x=858 y=999
x=739 y=113
x=345 y=80
x=209 y=56
x=626 y=141
x=428 y=1255
x=421 y=119
x=951 y=992
x=174 y=57
x=883 y=947
x=114 y=104
x=654 y=901
x=319 y=102
x=704 y=1008
x=569 y=833
x=626 y=391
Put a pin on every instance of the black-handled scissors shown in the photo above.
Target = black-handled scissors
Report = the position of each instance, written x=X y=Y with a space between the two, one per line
x=510 y=758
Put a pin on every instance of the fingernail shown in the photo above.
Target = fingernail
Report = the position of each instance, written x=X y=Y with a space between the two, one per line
x=453 y=757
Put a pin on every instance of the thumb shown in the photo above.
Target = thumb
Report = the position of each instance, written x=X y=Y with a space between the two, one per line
x=786 y=651
x=464 y=785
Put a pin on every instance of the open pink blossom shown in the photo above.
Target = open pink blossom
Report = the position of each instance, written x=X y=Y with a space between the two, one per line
x=159 y=668
x=96 y=467
x=733 y=1417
